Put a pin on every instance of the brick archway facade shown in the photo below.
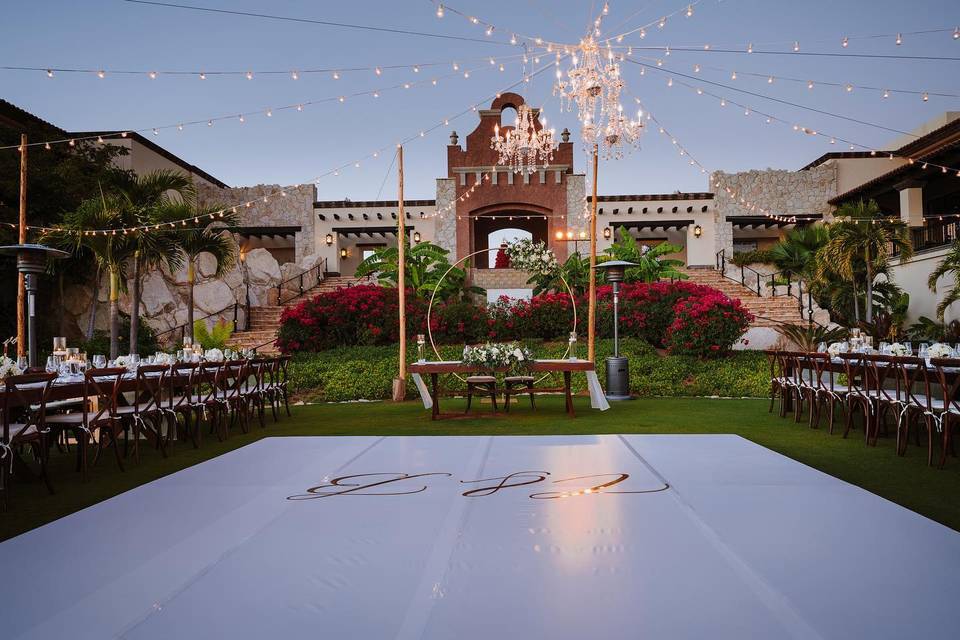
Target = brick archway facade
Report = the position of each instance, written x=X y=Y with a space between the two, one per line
x=545 y=192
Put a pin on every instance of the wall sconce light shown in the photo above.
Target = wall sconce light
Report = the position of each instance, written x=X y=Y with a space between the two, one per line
x=569 y=235
x=583 y=235
x=698 y=231
x=343 y=253
x=607 y=232
x=559 y=235
x=416 y=237
x=329 y=239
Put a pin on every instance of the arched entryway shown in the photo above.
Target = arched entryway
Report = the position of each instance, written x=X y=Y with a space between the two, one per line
x=506 y=222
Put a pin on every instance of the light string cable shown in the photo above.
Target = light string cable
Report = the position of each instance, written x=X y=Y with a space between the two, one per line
x=294 y=73
x=848 y=87
x=266 y=111
x=793 y=45
x=283 y=192
x=325 y=23
x=770 y=118
x=762 y=96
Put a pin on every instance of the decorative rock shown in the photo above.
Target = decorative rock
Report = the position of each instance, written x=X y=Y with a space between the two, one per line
x=206 y=265
x=76 y=299
x=155 y=296
x=212 y=296
x=262 y=267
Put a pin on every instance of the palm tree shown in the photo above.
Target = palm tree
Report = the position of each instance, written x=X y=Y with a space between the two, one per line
x=863 y=239
x=110 y=247
x=950 y=265
x=796 y=252
x=212 y=238
x=651 y=265
x=147 y=198
x=424 y=266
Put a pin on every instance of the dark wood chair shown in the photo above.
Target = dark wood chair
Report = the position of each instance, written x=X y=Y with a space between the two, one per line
x=145 y=415
x=830 y=393
x=481 y=385
x=948 y=379
x=518 y=386
x=920 y=407
x=858 y=396
x=184 y=400
x=24 y=425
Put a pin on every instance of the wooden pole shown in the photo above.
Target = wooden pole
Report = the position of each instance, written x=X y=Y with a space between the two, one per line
x=22 y=239
x=592 y=309
x=400 y=384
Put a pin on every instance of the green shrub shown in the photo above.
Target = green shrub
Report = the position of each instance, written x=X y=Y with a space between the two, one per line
x=215 y=338
x=746 y=258
x=367 y=372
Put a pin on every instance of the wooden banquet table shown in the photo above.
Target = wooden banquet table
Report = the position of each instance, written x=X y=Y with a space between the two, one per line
x=431 y=396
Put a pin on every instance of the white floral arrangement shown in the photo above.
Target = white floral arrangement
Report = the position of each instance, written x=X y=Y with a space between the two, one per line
x=534 y=257
x=898 y=349
x=122 y=361
x=213 y=355
x=512 y=356
x=837 y=348
x=8 y=368
x=163 y=358
x=939 y=350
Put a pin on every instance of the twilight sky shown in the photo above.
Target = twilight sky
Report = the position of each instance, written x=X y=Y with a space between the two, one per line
x=292 y=147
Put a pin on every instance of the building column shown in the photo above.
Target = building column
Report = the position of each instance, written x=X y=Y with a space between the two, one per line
x=911 y=202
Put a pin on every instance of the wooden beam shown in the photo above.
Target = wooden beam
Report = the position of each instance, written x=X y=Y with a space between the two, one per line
x=22 y=239
x=400 y=384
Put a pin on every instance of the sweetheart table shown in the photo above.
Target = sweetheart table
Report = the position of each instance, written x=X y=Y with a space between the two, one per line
x=431 y=396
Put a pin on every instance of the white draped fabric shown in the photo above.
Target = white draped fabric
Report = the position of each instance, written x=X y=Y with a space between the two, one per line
x=557 y=537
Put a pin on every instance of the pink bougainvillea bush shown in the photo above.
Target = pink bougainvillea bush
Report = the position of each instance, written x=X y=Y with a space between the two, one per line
x=686 y=318
x=707 y=325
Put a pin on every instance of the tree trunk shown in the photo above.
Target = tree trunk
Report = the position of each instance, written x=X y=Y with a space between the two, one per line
x=135 y=306
x=856 y=303
x=869 y=310
x=191 y=277
x=114 y=314
x=92 y=322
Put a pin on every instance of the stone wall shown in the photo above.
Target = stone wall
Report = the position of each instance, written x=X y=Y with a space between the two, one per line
x=164 y=294
x=779 y=192
x=445 y=230
x=500 y=278
x=295 y=209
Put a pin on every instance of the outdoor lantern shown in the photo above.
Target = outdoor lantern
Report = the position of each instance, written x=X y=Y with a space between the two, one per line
x=607 y=232
x=416 y=237
x=31 y=262
x=618 y=369
x=343 y=253
x=329 y=239
x=698 y=231
x=559 y=235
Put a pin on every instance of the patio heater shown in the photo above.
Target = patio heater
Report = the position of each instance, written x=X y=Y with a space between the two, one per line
x=618 y=369
x=31 y=262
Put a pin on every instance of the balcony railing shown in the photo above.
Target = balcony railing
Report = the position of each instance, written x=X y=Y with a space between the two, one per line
x=933 y=235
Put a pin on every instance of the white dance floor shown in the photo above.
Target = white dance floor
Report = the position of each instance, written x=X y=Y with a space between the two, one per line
x=464 y=538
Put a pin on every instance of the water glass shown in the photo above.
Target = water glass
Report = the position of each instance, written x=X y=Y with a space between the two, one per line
x=923 y=350
x=53 y=364
x=99 y=361
x=884 y=348
x=23 y=363
x=134 y=361
x=909 y=347
x=822 y=347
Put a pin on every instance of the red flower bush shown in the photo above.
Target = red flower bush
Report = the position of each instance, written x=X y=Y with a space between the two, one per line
x=686 y=318
x=706 y=326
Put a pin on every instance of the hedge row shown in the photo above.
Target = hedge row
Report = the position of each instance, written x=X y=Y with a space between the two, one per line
x=366 y=372
x=687 y=318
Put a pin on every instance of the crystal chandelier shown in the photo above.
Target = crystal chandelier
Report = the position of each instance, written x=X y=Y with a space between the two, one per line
x=523 y=149
x=594 y=85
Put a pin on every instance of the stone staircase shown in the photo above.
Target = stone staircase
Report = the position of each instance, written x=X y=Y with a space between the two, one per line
x=768 y=311
x=265 y=321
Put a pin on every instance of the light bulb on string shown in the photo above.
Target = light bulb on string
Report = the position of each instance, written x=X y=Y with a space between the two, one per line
x=844 y=42
x=294 y=75
x=152 y=75
x=49 y=73
x=899 y=40
x=101 y=74
x=440 y=10
x=796 y=46
x=886 y=93
x=249 y=75
x=203 y=76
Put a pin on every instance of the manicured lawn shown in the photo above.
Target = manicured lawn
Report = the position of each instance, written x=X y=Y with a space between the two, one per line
x=906 y=481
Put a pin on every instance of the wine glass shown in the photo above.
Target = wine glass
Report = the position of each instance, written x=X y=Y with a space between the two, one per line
x=822 y=347
x=909 y=347
x=22 y=363
x=53 y=365
x=923 y=350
